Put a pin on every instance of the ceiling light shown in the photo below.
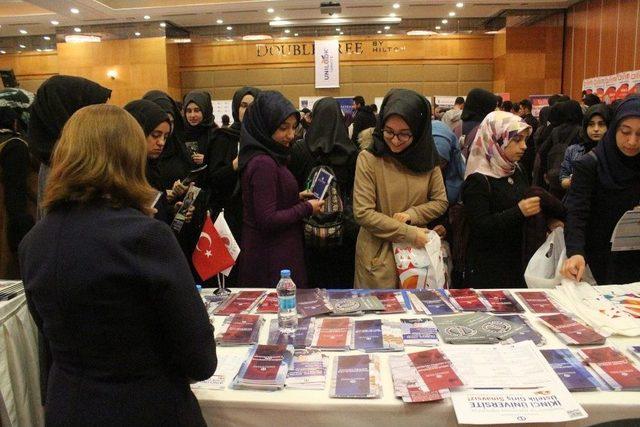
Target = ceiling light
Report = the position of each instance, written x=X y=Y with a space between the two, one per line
x=22 y=46
x=229 y=28
x=185 y=40
x=393 y=15
x=277 y=18
x=379 y=32
x=46 y=38
x=295 y=34
x=387 y=27
x=2 y=52
x=270 y=10
x=280 y=23
x=137 y=34
x=38 y=50
x=112 y=74
x=492 y=32
x=287 y=31
x=23 y=31
x=146 y=17
x=81 y=38
x=421 y=33
x=444 y=21
x=459 y=5
x=338 y=29
x=396 y=5
x=163 y=24
x=74 y=10
x=255 y=37
x=219 y=21
x=54 y=22
x=77 y=29
x=438 y=27
x=452 y=14
x=341 y=32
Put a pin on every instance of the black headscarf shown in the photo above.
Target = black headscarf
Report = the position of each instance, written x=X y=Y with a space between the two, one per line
x=365 y=119
x=421 y=155
x=595 y=110
x=478 y=105
x=170 y=106
x=328 y=136
x=543 y=116
x=234 y=129
x=615 y=170
x=568 y=112
x=56 y=100
x=203 y=101
x=149 y=115
x=261 y=120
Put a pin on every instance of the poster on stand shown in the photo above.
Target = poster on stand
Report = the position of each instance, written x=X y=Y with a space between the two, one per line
x=538 y=102
x=220 y=108
x=327 y=63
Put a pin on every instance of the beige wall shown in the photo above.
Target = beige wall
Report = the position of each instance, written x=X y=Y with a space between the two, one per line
x=31 y=68
x=369 y=66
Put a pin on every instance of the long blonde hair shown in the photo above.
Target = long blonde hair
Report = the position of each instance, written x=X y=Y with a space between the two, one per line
x=101 y=154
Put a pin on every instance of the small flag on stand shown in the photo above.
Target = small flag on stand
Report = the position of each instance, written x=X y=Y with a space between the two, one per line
x=213 y=253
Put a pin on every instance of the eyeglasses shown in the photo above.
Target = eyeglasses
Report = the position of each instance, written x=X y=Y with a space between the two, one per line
x=402 y=136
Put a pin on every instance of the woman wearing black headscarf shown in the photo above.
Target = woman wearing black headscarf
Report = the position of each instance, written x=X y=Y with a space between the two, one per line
x=156 y=125
x=478 y=104
x=605 y=184
x=175 y=161
x=199 y=125
x=398 y=187
x=327 y=143
x=273 y=208
x=56 y=100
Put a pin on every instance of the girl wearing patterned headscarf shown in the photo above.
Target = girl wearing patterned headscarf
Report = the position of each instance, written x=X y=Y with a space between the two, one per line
x=494 y=202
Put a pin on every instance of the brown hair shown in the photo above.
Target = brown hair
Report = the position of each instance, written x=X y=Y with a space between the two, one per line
x=101 y=154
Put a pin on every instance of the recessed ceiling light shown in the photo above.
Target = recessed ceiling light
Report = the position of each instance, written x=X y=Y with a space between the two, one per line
x=54 y=22
x=270 y=10
x=338 y=29
x=254 y=37
x=396 y=5
x=22 y=46
x=2 y=52
x=341 y=32
x=74 y=10
x=379 y=32
x=444 y=21
x=295 y=34
x=163 y=24
x=452 y=14
x=287 y=31
x=387 y=27
x=77 y=29
x=219 y=21
x=438 y=27
x=459 y=4
x=137 y=34
x=81 y=38
x=229 y=28
x=23 y=31
x=393 y=15
x=146 y=17
x=46 y=38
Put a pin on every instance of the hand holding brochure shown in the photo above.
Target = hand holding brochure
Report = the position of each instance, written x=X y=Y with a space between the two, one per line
x=321 y=182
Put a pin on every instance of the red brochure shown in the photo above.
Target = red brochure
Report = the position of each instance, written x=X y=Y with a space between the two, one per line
x=467 y=300
x=570 y=331
x=265 y=363
x=501 y=302
x=390 y=302
x=613 y=367
x=333 y=333
x=435 y=369
x=242 y=301
x=538 y=302
x=269 y=304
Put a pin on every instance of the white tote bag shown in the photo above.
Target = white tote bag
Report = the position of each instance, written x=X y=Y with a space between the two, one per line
x=543 y=270
x=420 y=267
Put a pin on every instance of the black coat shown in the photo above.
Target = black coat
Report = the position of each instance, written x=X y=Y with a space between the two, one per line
x=223 y=179
x=494 y=251
x=112 y=294
x=592 y=214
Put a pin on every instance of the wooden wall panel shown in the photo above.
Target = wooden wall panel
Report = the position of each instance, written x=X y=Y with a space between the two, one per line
x=616 y=36
x=31 y=69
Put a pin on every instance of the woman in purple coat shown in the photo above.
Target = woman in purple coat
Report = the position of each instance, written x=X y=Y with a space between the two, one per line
x=273 y=209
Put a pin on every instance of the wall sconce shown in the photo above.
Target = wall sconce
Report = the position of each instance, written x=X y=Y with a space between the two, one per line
x=112 y=74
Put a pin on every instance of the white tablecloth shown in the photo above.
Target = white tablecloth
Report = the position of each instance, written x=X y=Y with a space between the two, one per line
x=314 y=408
x=19 y=375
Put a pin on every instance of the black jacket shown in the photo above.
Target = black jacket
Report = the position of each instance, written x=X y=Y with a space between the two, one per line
x=592 y=214
x=112 y=294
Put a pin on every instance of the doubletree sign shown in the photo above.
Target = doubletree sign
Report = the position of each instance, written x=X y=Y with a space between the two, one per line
x=308 y=49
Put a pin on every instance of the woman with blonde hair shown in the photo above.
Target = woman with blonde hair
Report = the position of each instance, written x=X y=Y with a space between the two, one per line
x=109 y=287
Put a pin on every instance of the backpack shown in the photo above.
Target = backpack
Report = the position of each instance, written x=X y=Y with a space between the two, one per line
x=327 y=228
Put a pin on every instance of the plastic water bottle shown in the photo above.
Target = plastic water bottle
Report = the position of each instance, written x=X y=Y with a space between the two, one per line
x=287 y=312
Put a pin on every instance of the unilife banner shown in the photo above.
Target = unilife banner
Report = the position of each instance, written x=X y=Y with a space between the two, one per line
x=327 y=63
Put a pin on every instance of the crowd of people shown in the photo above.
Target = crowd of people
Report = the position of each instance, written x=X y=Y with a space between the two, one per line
x=111 y=286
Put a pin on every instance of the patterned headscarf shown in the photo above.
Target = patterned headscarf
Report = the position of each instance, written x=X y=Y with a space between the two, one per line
x=487 y=152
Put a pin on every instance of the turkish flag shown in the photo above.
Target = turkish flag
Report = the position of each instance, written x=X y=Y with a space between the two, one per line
x=211 y=255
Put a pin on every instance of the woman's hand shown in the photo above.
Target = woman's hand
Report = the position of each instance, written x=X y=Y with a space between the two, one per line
x=305 y=195
x=553 y=223
x=573 y=268
x=402 y=217
x=317 y=205
x=440 y=230
x=234 y=164
x=178 y=189
x=421 y=239
x=189 y=215
x=530 y=207
x=198 y=158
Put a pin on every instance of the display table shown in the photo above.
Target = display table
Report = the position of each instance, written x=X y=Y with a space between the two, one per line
x=314 y=408
x=19 y=374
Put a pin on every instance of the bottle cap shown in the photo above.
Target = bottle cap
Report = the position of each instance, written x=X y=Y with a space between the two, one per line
x=285 y=273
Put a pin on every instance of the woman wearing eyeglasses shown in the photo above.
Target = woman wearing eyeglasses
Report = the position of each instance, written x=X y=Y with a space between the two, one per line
x=398 y=187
